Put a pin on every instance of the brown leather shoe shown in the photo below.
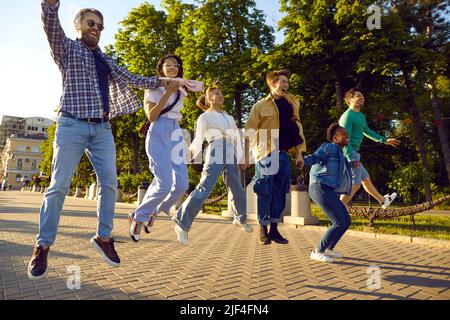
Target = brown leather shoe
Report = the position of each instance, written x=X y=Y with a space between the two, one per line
x=106 y=251
x=38 y=268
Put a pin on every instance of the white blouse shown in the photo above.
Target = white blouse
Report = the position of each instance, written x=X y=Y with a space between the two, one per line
x=156 y=95
x=212 y=126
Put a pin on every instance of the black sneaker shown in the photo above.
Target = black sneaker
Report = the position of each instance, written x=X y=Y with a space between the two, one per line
x=264 y=236
x=38 y=268
x=275 y=235
x=106 y=251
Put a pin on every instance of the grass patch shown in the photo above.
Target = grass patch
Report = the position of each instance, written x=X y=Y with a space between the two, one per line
x=437 y=227
x=217 y=208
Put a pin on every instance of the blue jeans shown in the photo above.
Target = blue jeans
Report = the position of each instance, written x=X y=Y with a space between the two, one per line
x=168 y=166
x=328 y=200
x=271 y=189
x=211 y=171
x=72 y=138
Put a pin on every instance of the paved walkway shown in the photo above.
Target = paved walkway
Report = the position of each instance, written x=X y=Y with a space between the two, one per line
x=222 y=262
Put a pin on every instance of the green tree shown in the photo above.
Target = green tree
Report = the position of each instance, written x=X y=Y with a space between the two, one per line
x=221 y=40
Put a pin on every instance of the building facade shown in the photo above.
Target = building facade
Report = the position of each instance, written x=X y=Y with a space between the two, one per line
x=35 y=127
x=20 y=160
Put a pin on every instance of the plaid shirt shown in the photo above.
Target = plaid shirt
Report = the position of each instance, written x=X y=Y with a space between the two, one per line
x=81 y=91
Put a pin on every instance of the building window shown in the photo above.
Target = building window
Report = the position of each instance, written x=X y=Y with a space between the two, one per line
x=18 y=178
x=29 y=128
x=19 y=164
x=21 y=148
x=35 y=150
x=33 y=165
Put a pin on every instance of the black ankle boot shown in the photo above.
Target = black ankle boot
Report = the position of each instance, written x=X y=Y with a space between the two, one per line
x=264 y=235
x=275 y=235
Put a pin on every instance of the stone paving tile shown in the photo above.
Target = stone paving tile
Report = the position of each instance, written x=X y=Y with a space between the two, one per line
x=221 y=262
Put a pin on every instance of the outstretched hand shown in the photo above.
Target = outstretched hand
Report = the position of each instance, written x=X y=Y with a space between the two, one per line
x=300 y=162
x=393 y=142
x=171 y=86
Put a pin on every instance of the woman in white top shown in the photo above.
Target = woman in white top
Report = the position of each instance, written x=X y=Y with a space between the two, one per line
x=223 y=154
x=169 y=168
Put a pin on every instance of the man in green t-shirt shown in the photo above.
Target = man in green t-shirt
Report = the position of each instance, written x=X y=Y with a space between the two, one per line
x=355 y=124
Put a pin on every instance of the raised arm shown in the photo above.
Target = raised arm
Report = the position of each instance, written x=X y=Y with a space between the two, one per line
x=369 y=133
x=133 y=80
x=55 y=34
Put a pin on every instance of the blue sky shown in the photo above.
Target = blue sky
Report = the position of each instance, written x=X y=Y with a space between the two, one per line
x=30 y=82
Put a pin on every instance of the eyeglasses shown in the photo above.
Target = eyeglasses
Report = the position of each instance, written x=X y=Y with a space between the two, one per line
x=91 y=23
x=169 y=65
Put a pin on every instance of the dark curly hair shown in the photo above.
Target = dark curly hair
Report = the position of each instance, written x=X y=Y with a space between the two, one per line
x=159 y=65
x=331 y=131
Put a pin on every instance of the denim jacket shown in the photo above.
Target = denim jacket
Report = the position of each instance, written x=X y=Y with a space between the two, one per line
x=328 y=166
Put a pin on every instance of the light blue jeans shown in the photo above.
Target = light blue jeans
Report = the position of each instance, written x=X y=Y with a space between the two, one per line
x=167 y=161
x=73 y=138
x=211 y=172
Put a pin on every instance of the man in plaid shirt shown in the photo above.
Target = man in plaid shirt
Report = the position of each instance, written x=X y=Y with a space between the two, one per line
x=95 y=89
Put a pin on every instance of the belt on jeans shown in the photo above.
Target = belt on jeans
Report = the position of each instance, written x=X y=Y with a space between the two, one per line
x=88 y=120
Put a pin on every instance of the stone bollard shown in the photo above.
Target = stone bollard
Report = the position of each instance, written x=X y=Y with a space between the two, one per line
x=119 y=195
x=78 y=193
x=229 y=213
x=141 y=194
x=300 y=207
x=43 y=189
x=34 y=188
x=252 y=203
x=92 y=192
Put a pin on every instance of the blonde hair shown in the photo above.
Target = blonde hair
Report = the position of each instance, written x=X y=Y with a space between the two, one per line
x=202 y=102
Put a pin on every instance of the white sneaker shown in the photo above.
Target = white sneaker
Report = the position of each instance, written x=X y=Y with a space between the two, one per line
x=334 y=254
x=182 y=235
x=388 y=200
x=244 y=225
x=319 y=256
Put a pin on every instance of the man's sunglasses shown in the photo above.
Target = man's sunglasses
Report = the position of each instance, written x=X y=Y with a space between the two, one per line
x=91 y=23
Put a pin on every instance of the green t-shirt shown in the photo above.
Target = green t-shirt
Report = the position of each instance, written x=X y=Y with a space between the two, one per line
x=356 y=125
